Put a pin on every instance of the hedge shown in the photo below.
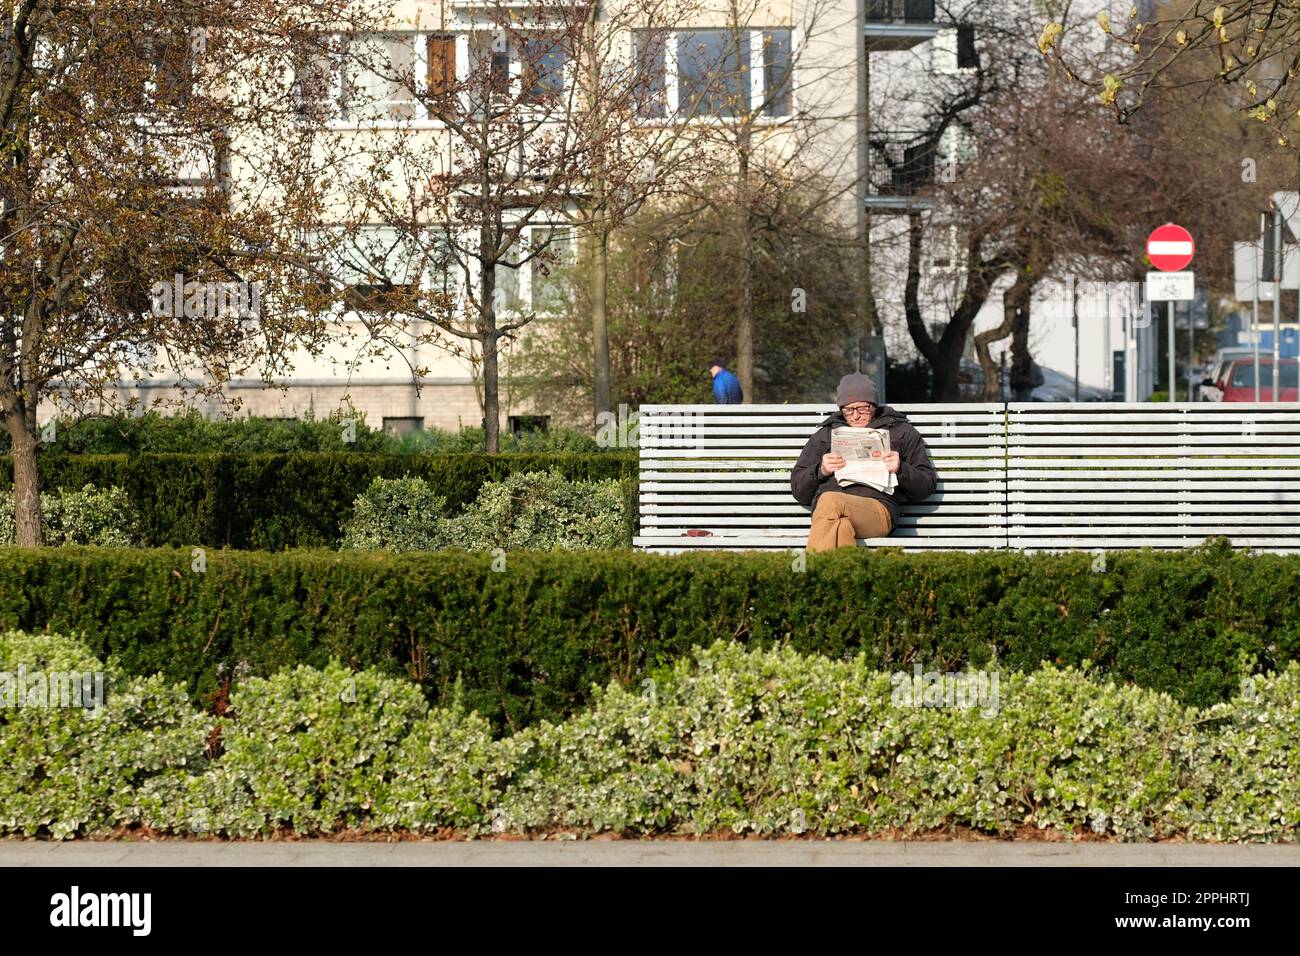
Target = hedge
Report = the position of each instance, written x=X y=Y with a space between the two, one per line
x=192 y=433
x=530 y=640
x=736 y=739
x=270 y=502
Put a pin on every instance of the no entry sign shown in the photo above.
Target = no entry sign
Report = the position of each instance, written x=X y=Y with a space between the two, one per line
x=1170 y=248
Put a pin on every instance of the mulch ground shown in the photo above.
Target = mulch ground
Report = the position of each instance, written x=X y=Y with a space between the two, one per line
x=957 y=834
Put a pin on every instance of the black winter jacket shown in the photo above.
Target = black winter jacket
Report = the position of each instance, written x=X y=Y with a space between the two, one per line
x=916 y=475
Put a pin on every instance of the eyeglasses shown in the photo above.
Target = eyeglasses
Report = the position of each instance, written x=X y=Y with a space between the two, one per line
x=858 y=409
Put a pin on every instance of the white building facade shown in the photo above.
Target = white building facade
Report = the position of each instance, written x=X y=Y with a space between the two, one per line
x=845 y=67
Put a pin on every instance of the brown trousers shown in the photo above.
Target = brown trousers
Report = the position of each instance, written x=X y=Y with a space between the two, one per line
x=839 y=520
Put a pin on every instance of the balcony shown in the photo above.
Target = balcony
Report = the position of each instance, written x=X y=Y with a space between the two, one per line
x=536 y=6
x=899 y=24
x=900 y=171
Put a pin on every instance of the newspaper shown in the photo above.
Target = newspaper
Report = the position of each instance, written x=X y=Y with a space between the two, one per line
x=864 y=450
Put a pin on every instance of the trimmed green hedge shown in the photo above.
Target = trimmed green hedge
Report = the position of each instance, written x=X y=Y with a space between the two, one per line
x=530 y=640
x=270 y=502
x=192 y=433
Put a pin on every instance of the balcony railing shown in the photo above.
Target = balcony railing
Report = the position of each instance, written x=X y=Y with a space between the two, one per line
x=907 y=11
x=901 y=163
x=540 y=6
x=898 y=24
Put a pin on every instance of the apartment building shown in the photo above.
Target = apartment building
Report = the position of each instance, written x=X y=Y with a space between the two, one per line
x=794 y=67
x=834 y=82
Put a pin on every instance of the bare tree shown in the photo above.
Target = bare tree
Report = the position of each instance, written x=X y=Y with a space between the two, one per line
x=152 y=162
x=527 y=130
x=635 y=152
x=736 y=91
x=1050 y=184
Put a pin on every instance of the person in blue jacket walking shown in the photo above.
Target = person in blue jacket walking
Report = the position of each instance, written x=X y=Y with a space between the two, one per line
x=726 y=387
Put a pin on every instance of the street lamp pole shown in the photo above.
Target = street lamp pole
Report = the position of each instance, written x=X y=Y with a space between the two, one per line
x=1074 y=284
x=1169 y=329
x=1256 y=252
x=1277 y=301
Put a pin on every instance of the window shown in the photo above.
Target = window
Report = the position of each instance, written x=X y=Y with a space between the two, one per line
x=1243 y=375
x=377 y=77
x=726 y=72
x=440 y=55
x=402 y=424
x=380 y=267
x=712 y=72
x=537 y=285
x=945 y=249
x=508 y=296
x=548 y=289
x=649 y=52
x=174 y=62
x=441 y=266
x=956 y=146
x=368 y=79
x=967 y=56
x=489 y=63
x=953 y=49
x=313 y=84
x=165 y=73
x=776 y=73
x=520 y=424
x=543 y=67
x=377 y=298
x=392 y=77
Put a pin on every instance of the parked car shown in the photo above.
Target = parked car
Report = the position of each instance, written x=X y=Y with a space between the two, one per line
x=1237 y=383
x=1215 y=368
x=1061 y=389
x=1056 y=387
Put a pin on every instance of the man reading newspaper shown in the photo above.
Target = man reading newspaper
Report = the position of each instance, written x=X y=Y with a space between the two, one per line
x=859 y=464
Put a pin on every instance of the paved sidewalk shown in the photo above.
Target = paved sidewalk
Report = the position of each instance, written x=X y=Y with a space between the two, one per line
x=640 y=853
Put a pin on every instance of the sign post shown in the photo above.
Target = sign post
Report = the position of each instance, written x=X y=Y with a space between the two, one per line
x=1263 y=230
x=1276 y=370
x=1170 y=249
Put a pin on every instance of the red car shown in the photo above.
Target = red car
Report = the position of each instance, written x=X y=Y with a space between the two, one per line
x=1238 y=381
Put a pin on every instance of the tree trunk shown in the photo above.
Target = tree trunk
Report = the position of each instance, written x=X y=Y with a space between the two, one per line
x=1022 y=363
x=744 y=297
x=599 y=320
x=1013 y=300
x=491 y=394
x=942 y=357
x=601 y=397
x=488 y=338
x=944 y=383
x=27 y=491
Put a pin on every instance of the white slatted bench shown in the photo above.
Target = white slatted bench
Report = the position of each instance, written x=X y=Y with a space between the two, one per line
x=725 y=469
x=1103 y=476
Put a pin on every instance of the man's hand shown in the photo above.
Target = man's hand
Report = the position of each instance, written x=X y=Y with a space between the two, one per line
x=891 y=462
x=832 y=462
